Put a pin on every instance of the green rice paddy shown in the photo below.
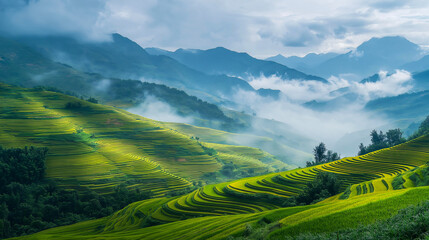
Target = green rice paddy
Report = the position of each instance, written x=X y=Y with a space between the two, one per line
x=99 y=147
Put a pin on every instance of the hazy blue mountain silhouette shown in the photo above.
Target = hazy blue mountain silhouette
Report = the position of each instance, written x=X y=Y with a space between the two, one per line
x=224 y=61
x=125 y=59
x=306 y=63
x=372 y=56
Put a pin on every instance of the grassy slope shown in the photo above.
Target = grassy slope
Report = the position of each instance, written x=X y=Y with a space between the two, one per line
x=100 y=147
x=222 y=137
x=23 y=66
x=256 y=194
x=213 y=203
x=322 y=217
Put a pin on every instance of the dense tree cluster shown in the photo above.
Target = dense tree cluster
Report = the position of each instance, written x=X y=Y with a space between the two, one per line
x=30 y=203
x=324 y=185
x=323 y=155
x=379 y=140
x=73 y=105
x=24 y=166
x=423 y=129
x=92 y=100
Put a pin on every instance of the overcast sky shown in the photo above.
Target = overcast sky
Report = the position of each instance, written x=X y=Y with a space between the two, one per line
x=262 y=28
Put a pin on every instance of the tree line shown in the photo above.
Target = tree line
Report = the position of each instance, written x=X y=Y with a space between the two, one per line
x=380 y=140
x=30 y=203
x=392 y=137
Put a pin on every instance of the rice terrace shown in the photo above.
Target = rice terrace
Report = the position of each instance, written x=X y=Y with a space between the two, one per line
x=226 y=120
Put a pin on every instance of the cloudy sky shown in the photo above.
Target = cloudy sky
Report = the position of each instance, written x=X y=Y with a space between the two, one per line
x=262 y=28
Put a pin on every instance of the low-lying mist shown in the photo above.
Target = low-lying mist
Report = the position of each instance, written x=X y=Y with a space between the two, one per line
x=303 y=91
x=156 y=109
x=334 y=122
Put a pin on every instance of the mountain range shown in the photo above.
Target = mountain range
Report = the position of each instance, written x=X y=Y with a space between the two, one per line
x=125 y=59
x=224 y=61
x=376 y=54
x=306 y=63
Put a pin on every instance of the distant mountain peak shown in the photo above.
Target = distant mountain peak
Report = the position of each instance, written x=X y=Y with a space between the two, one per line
x=187 y=50
x=220 y=60
x=388 y=43
x=377 y=54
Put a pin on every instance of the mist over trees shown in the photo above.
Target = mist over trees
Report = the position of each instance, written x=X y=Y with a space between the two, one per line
x=423 y=129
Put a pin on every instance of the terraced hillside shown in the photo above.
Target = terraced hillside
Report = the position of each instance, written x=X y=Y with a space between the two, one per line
x=254 y=202
x=258 y=194
x=415 y=177
x=275 y=224
x=100 y=147
x=287 y=153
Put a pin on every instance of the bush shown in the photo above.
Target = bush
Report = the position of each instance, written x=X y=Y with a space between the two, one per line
x=92 y=100
x=323 y=186
x=73 y=105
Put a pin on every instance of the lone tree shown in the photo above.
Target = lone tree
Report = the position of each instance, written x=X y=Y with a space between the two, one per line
x=322 y=155
x=319 y=153
x=394 y=137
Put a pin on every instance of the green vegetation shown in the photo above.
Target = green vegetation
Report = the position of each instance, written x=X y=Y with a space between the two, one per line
x=22 y=166
x=23 y=66
x=324 y=217
x=422 y=130
x=414 y=178
x=265 y=192
x=100 y=147
x=379 y=140
x=321 y=156
x=253 y=206
x=281 y=150
x=324 y=185
x=102 y=158
x=123 y=58
x=409 y=223
x=30 y=203
x=269 y=192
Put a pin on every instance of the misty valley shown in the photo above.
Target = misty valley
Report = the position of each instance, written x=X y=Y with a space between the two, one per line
x=246 y=120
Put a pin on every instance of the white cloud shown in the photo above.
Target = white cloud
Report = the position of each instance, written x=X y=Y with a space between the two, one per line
x=303 y=91
x=327 y=126
x=356 y=54
x=298 y=90
x=262 y=28
x=81 y=18
x=103 y=85
x=155 y=109
x=321 y=126
x=389 y=85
